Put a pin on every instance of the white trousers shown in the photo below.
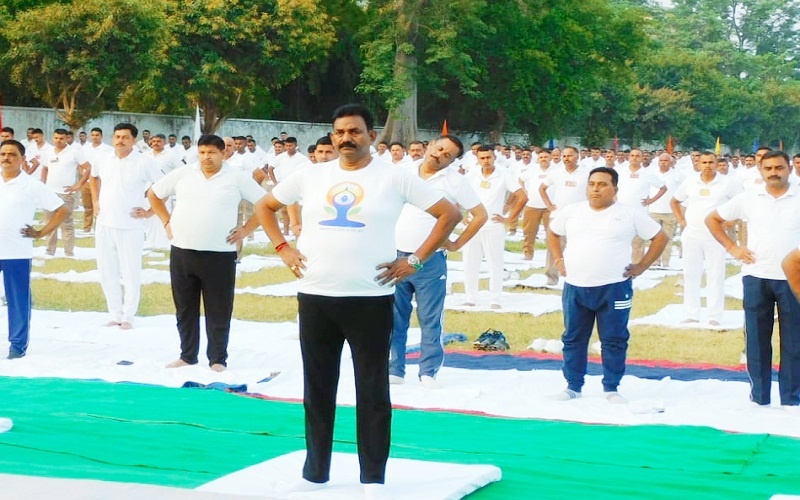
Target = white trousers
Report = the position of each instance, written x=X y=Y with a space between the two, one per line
x=489 y=243
x=119 y=263
x=697 y=254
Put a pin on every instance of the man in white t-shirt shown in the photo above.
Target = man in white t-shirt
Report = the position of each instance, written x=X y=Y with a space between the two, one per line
x=429 y=284
x=203 y=231
x=350 y=208
x=536 y=211
x=20 y=196
x=492 y=185
x=598 y=273
x=635 y=183
x=660 y=210
x=561 y=187
x=773 y=214
x=65 y=171
x=119 y=182
x=34 y=154
x=95 y=149
x=701 y=194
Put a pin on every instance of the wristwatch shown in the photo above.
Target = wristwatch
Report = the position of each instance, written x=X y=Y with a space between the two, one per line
x=414 y=262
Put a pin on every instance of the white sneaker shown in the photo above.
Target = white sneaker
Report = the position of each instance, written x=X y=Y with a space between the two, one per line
x=615 y=399
x=429 y=382
x=395 y=380
x=566 y=395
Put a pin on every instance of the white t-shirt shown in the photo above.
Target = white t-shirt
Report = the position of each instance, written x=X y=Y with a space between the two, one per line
x=95 y=154
x=33 y=151
x=750 y=178
x=533 y=178
x=492 y=191
x=773 y=227
x=599 y=241
x=414 y=225
x=62 y=167
x=189 y=156
x=348 y=223
x=565 y=188
x=635 y=186
x=700 y=200
x=19 y=199
x=123 y=183
x=206 y=209
x=286 y=165
x=166 y=161
x=672 y=179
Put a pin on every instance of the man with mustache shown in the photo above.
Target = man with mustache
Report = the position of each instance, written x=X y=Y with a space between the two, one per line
x=346 y=260
x=20 y=196
x=118 y=183
x=772 y=210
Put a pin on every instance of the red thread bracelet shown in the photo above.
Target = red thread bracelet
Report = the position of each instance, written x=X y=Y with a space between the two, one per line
x=281 y=247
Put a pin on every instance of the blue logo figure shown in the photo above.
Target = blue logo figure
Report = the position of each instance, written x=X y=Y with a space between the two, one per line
x=343 y=197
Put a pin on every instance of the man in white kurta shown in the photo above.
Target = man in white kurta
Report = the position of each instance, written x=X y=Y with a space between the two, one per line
x=119 y=183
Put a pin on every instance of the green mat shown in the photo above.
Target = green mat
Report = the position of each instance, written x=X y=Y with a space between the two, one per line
x=187 y=437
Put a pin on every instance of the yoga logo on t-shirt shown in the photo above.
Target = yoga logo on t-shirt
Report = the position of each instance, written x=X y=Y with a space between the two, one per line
x=343 y=198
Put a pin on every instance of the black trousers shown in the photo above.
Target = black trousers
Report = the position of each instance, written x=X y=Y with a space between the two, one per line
x=212 y=275
x=366 y=324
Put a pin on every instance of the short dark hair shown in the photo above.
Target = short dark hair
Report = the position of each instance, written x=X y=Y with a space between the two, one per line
x=97 y=129
x=37 y=131
x=764 y=148
x=416 y=142
x=211 y=140
x=291 y=140
x=12 y=142
x=325 y=140
x=127 y=126
x=397 y=143
x=455 y=140
x=160 y=136
x=605 y=170
x=776 y=154
x=708 y=153
x=8 y=130
x=173 y=135
x=311 y=148
x=486 y=147
x=572 y=148
x=185 y=137
x=354 y=109
x=796 y=156
x=545 y=150
x=60 y=131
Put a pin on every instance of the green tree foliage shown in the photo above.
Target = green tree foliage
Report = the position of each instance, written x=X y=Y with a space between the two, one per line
x=224 y=54
x=413 y=46
x=78 y=58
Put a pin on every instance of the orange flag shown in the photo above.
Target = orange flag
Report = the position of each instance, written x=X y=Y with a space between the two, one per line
x=444 y=128
x=781 y=145
x=670 y=146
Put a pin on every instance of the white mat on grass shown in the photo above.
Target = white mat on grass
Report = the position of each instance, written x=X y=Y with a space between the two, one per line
x=673 y=315
x=531 y=303
x=149 y=276
x=540 y=281
x=406 y=479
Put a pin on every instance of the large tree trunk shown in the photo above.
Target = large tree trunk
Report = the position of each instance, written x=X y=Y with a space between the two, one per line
x=401 y=124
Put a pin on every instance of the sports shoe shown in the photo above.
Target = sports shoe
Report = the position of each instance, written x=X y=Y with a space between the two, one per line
x=429 y=382
x=566 y=395
x=491 y=340
x=498 y=343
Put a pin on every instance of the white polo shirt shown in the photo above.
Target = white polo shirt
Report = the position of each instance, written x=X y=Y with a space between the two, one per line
x=565 y=188
x=166 y=161
x=599 y=241
x=19 y=199
x=700 y=199
x=672 y=179
x=206 y=209
x=533 y=178
x=286 y=165
x=349 y=218
x=492 y=191
x=123 y=183
x=95 y=154
x=773 y=227
x=635 y=186
x=750 y=178
x=62 y=167
x=415 y=225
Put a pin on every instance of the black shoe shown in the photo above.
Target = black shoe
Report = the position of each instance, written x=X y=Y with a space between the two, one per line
x=14 y=353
